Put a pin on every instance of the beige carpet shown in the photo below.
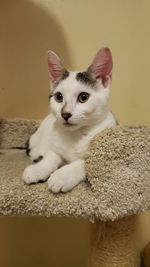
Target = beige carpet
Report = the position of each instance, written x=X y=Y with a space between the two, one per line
x=118 y=171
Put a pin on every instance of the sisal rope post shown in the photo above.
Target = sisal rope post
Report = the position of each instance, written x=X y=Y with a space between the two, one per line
x=113 y=243
x=146 y=256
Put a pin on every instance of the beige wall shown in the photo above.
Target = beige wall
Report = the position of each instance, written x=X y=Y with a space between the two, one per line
x=75 y=30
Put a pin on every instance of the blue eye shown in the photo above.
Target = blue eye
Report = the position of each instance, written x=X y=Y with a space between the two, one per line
x=58 y=97
x=83 y=97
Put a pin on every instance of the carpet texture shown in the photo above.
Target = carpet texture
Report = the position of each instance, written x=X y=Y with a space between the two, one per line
x=118 y=172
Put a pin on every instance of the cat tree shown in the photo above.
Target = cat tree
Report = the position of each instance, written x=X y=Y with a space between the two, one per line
x=117 y=188
x=146 y=256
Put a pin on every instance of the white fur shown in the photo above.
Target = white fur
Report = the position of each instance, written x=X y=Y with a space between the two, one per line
x=62 y=146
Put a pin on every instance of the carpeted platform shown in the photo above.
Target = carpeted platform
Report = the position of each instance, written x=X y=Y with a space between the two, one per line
x=118 y=171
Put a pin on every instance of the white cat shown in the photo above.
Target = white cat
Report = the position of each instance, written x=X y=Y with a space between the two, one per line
x=79 y=110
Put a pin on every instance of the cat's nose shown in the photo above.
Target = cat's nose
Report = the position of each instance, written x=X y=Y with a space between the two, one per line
x=66 y=116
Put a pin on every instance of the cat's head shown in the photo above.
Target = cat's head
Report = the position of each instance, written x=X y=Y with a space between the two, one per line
x=80 y=98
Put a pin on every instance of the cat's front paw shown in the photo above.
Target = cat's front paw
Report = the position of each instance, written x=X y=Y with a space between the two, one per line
x=60 y=182
x=37 y=152
x=32 y=175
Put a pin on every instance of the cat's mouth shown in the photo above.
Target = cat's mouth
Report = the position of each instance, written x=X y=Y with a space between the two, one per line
x=69 y=124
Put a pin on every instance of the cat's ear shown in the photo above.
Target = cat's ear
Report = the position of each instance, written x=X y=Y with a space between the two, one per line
x=101 y=66
x=55 y=67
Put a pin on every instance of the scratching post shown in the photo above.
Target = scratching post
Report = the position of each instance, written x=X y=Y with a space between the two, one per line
x=117 y=188
x=146 y=256
x=113 y=243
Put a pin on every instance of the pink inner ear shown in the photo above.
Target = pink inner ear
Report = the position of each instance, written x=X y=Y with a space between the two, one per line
x=55 y=67
x=101 y=66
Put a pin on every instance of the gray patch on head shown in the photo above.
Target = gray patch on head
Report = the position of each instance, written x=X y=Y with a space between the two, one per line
x=85 y=77
x=65 y=75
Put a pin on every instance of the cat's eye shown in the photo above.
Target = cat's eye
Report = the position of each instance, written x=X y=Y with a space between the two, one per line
x=83 y=97
x=58 y=97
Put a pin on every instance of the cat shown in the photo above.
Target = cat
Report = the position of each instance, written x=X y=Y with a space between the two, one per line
x=79 y=111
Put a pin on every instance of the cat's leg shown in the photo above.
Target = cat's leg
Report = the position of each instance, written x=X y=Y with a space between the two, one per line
x=42 y=170
x=67 y=177
x=38 y=143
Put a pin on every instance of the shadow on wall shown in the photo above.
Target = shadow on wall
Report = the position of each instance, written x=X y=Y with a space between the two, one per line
x=43 y=242
x=27 y=32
